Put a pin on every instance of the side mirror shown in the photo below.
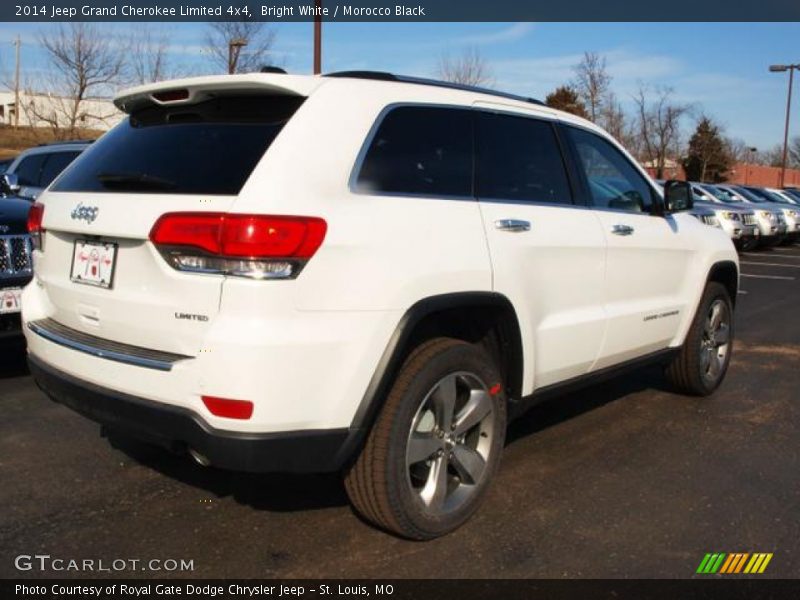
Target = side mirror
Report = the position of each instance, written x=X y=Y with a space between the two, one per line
x=677 y=196
x=10 y=183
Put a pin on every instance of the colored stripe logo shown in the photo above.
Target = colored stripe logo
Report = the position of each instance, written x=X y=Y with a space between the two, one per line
x=734 y=563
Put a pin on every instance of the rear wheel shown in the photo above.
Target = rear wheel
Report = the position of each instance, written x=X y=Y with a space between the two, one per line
x=700 y=366
x=435 y=446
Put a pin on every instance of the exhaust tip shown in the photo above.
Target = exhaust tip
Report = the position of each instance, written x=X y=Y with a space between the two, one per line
x=199 y=458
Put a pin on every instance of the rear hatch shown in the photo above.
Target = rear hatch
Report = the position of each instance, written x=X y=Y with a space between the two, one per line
x=184 y=149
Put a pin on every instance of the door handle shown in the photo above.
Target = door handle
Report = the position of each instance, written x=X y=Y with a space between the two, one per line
x=622 y=230
x=512 y=225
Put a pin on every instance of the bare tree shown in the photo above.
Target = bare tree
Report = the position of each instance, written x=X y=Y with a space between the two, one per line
x=240 y=46
x=84 y=66
x=613 y=118
x=468 y=68
x=147 y=56
x=658 y=125
x=794 y=152
x=592 y=82
x=740 y=151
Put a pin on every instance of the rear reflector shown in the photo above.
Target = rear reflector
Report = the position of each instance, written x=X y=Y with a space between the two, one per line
x=256 y=246
x=230 y=409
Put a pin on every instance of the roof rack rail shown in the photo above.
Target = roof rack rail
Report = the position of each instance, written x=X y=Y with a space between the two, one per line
x=384 y=76
x=64 y=143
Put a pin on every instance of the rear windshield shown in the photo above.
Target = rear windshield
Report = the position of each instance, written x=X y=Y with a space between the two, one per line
x=205 y=148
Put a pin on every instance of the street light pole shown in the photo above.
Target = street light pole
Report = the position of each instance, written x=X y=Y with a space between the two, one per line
x=752 y=151
x=781 y=69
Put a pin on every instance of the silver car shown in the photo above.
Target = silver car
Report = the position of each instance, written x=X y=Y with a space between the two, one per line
x=770 y=218
x=739 y=222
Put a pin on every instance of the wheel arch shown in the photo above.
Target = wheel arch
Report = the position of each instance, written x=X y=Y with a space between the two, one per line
x=487 y=318
x=725 y=272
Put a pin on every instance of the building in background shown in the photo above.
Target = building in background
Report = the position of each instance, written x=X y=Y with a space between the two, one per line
x=47 y=110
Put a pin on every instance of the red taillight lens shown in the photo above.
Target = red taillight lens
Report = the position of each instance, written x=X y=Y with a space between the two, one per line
x=256 y=246
x=35 y=216
x=230 y=409
x=272 y=237
x=199 y=230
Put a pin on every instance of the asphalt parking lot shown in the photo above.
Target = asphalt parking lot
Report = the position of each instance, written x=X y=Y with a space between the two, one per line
x=623 y=479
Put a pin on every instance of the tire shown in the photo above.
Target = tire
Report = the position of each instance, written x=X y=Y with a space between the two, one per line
x=414 y=478
x=703 y=360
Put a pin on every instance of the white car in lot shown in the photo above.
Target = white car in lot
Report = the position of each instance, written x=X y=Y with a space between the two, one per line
x=361 y=272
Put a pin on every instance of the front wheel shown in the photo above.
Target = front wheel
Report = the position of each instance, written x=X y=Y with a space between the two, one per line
x=703 y=360
x=435 y=446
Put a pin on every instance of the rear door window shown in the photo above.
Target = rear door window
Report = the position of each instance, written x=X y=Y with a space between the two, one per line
x=420 y=150
x=519 y=158
x=207 y=148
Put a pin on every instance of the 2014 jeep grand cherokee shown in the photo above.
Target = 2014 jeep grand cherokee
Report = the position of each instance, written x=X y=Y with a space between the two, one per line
x=364 y=273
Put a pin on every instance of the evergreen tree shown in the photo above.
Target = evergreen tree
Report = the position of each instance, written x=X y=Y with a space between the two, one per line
x=708 y=158
x=566 y=98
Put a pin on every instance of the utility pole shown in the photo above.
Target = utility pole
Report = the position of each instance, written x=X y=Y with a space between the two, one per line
x=234 y=49
x=17 y=43
x=318 y=37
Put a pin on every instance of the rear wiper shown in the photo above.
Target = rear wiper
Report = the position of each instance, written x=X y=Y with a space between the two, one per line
x=140 y=181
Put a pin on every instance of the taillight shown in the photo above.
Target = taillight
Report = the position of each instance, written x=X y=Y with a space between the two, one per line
x=255 y=246
x=35 y=217
x=231 y=409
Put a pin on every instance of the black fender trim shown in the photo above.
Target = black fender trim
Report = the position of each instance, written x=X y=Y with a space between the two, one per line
x=725 y=265
x=395 y=352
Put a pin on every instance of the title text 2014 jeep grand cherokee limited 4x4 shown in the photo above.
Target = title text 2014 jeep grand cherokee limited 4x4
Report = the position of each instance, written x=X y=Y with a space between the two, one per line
x=361 y=272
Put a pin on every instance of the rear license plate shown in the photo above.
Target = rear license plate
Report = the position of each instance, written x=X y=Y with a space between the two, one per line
x=93 y=263
x=10 y=300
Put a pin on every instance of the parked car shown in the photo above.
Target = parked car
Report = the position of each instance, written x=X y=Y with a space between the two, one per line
x=4 y=164
x=770 y=218
x=791 y=212
x=34 y=169
x=738 y=222
x=15 y=264
x=374 y=276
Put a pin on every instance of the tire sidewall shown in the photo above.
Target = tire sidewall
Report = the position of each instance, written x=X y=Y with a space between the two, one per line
x=714 y=292
x=459 y=357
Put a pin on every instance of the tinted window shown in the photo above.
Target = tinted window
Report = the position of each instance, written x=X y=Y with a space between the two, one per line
x=55 y=163
x=613 y=181
x=519 y=159
x=420 y=150
x=29 y=170
x=206 y=148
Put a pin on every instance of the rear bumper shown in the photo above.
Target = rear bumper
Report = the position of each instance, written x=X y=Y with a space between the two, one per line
x=179 y=429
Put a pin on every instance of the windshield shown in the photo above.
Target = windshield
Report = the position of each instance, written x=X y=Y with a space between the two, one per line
x=205 y=148
x=719 y=194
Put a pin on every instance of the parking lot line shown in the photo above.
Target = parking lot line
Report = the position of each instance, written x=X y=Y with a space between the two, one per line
x=778 y=257
x=769 y=264
x=768 y=277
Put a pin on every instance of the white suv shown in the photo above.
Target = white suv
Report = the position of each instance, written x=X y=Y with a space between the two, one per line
x=364 y=273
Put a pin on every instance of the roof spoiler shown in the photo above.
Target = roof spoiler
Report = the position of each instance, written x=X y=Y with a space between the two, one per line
x=196 y=89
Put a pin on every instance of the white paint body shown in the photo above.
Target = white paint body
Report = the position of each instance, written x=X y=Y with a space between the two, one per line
x=304 y=351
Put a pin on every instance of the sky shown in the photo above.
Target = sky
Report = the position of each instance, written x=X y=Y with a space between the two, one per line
x=721 y=69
